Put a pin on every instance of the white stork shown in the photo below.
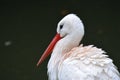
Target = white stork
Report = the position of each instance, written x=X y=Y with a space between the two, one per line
x=71 y=61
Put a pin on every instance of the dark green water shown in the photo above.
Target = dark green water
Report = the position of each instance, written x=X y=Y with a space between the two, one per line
x=26 y=28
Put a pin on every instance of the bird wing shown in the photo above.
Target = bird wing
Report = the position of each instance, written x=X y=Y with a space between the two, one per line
x=87 y=63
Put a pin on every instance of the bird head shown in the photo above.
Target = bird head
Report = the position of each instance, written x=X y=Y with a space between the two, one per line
x=70 y=25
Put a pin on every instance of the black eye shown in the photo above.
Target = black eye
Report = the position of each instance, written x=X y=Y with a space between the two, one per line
x=61 y=26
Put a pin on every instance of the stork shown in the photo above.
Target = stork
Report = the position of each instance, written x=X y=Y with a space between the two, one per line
x=71 y=61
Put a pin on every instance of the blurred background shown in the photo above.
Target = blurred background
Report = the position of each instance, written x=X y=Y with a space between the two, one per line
x=27 y=27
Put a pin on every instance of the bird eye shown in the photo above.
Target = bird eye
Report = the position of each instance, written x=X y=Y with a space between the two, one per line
x=61 y=26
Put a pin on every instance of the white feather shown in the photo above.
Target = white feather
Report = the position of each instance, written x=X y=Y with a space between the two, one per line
x=95 y=65
x=70 y=62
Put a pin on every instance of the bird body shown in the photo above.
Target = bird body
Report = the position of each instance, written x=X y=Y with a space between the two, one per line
x=71 y=61
x=85 y=63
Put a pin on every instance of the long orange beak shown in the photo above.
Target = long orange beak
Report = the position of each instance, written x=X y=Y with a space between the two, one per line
x=49 y=49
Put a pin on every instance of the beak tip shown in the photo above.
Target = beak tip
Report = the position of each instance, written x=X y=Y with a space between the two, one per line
x=39 y=62
x=49 y=49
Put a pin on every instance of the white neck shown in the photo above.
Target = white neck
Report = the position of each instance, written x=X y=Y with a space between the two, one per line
x=63 y=46
x=72 y=33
